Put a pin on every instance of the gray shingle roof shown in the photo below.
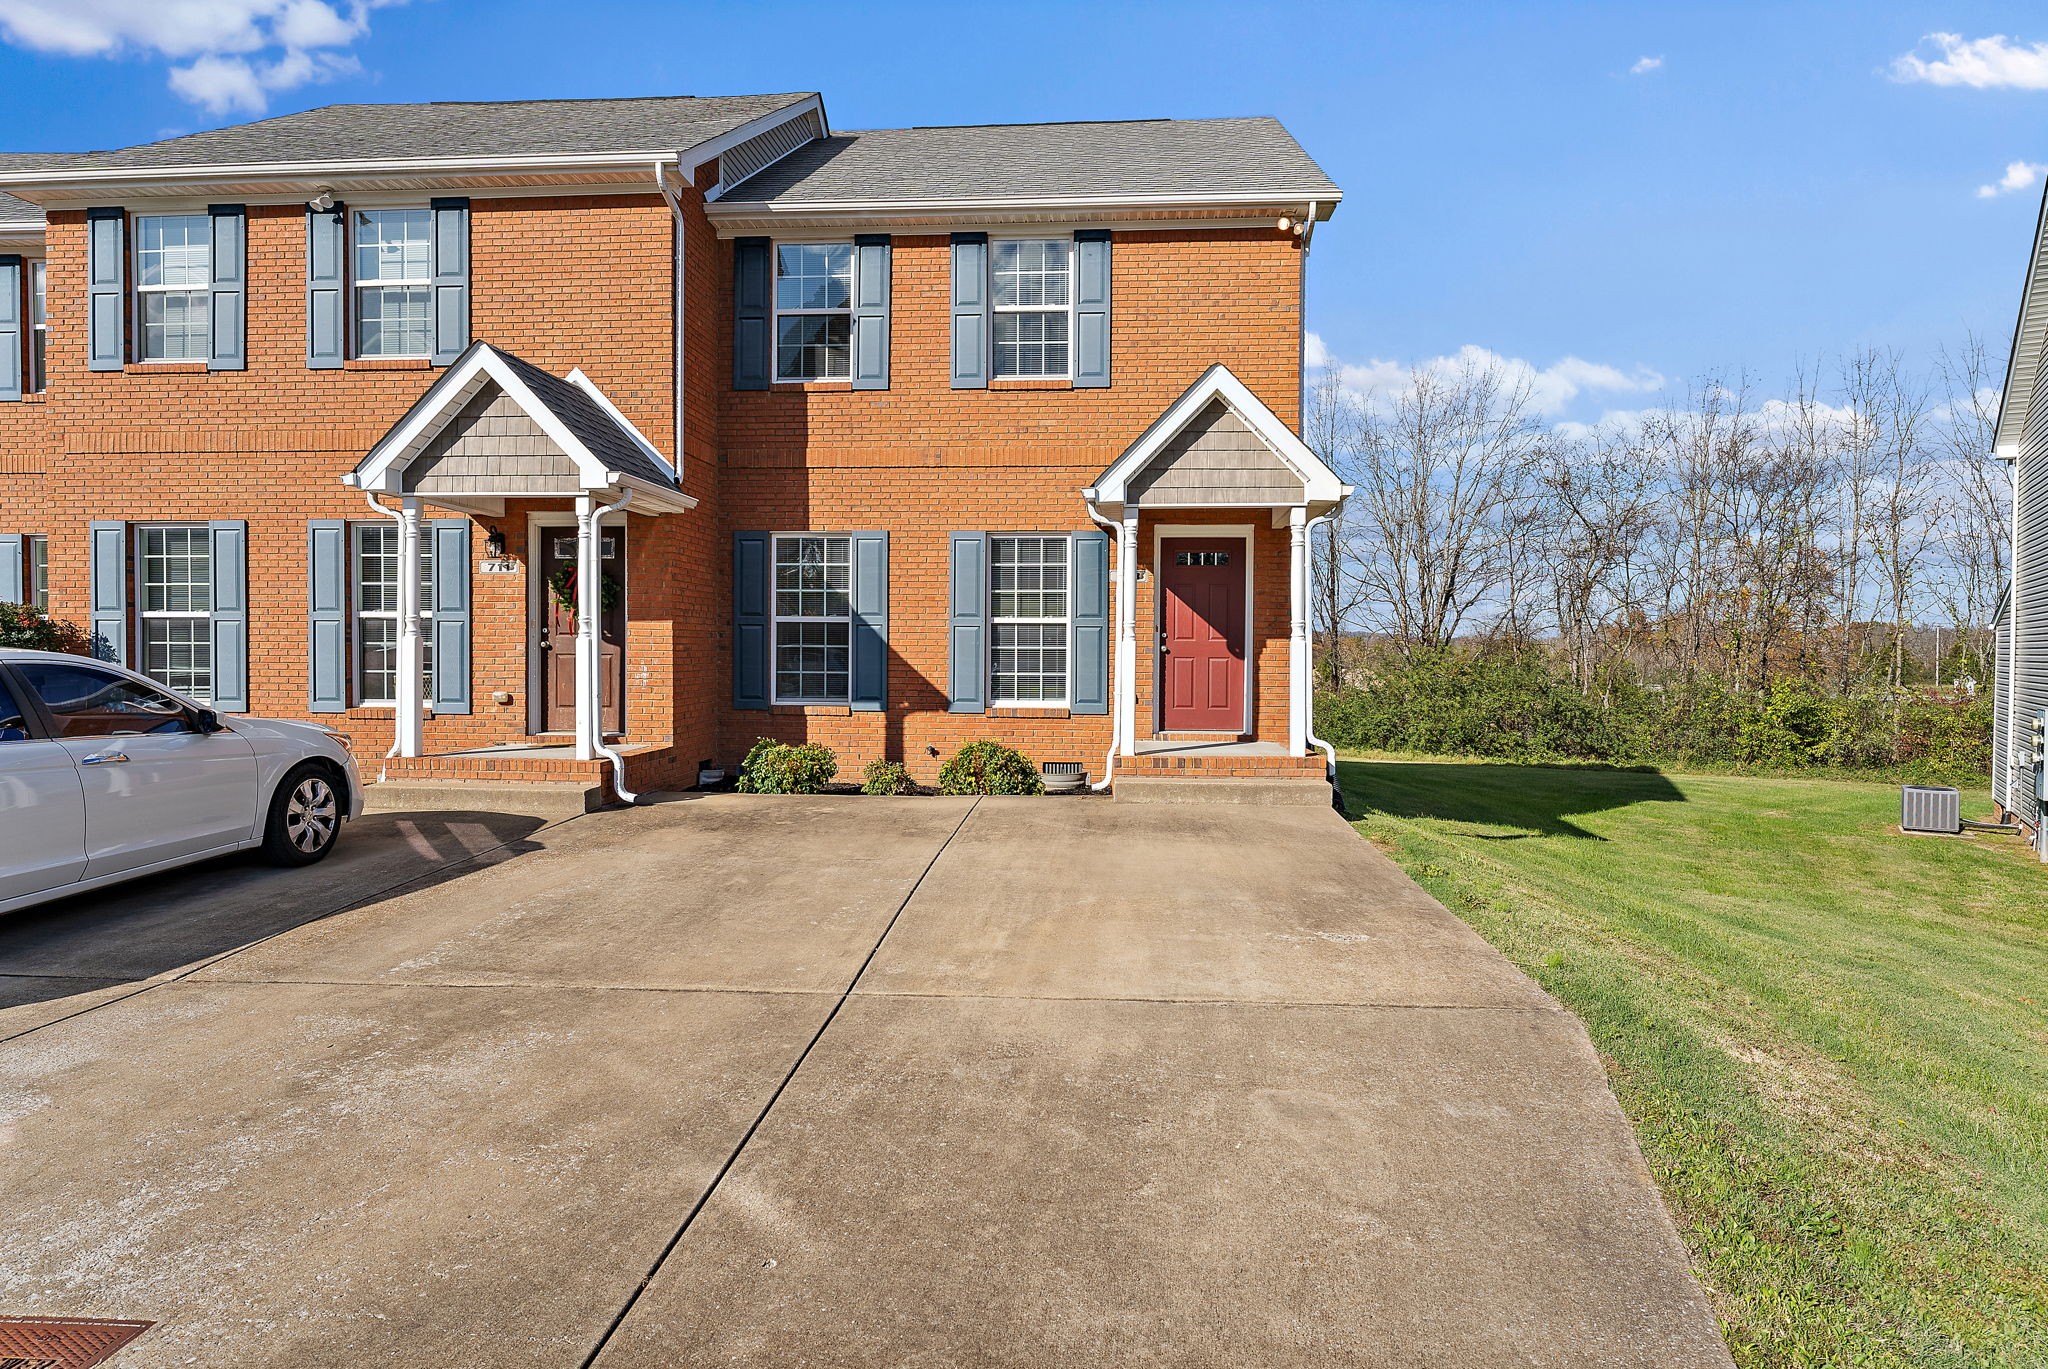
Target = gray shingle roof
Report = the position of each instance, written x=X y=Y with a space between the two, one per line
x=587 y=419
x=508 y=128
x=1191 y=157
x=13 y=210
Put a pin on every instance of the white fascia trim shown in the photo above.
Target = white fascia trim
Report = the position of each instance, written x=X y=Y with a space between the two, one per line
x=589 y=387
x=1320 y=484
x=1325 y=202
x=725 y=143
x=2023 y=366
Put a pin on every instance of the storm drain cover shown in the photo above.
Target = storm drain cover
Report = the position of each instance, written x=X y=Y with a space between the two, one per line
x=62 y=1342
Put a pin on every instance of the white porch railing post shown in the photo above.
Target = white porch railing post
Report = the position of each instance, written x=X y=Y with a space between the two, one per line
x=410 y=703
x=588 y=602
x=1127 y=634
x=1299 y=702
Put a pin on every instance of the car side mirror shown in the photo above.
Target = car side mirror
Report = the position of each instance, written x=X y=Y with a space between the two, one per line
x=207 y=721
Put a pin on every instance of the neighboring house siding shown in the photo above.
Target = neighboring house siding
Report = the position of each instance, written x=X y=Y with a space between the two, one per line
x=2028 y=694
x=1217 y=460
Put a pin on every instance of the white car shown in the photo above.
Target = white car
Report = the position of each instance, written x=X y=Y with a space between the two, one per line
x=106 y=775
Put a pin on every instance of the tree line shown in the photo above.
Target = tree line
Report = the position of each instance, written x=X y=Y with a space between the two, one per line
x=1849 y=531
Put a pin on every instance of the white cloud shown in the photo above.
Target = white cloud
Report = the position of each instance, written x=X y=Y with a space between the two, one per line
x=231 y=55
x=1552 y=388
x=2018 y=176
x=1645 y=65
x=1990 y=63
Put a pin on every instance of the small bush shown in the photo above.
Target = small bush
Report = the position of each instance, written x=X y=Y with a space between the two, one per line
x=26 y=626
x=774 y=767
x=885 y=777
x=989 y=768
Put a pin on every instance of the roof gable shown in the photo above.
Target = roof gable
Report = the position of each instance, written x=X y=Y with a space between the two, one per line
x=535 y=420
x=1211 y=417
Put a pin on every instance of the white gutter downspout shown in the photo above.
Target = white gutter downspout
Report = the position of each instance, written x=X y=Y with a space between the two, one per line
x=1116 y=713
x=675 y=209
x=1307 y=701
x=2012 y=651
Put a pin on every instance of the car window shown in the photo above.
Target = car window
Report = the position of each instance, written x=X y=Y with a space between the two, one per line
x=13 y=726
x=87 y=701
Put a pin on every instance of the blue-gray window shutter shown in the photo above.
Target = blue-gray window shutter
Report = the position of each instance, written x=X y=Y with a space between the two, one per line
x=230 y=620
x=967 y=623
x=1091 y=309
x=11 y=587
x=752 y=292
x=970 y=312
x=326 y=288
x=227 y=348
x=449 y=248
x=1089 y=690
x=110 y=592
x=871 y=311
x=870 y=664
x=11 y=274
x=451 y=614
x=750 y=620
x=105 y=295
x=327 y=615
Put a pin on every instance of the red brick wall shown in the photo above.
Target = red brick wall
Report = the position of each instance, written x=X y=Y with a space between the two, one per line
x=922 y=460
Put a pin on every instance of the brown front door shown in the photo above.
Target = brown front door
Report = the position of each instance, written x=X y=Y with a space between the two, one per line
x=1201 y=666
x=558 y=630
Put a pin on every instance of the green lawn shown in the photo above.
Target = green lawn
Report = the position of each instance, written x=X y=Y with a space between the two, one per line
x=1832 y=1038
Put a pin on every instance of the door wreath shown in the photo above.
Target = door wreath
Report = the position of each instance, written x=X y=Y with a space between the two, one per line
x=562 y=585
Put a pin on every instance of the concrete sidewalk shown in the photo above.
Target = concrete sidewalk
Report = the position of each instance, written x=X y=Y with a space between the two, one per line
x=849 y=1082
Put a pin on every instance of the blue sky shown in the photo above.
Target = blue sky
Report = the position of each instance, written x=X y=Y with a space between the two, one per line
x=1765 y=190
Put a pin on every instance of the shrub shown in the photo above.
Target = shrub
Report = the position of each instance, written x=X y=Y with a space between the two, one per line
x=774 y=767
x=25 y=625
x=885 y=777
x=989 y=768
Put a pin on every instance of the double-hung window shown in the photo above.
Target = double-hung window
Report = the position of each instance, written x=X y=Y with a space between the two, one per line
x=813 y=618
x=813 y=311
x=376 y=605
x=173 y=276
x=175 y=576
x=1033 y=300
x=1029 y=621
x=39 y=328
x=393 y=285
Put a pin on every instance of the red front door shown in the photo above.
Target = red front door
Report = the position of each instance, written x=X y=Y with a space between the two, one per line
x=1201 y=668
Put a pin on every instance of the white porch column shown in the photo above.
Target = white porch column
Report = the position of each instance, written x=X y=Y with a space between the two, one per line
x=589 y=602
x=410 y=704
x=1127 y=634
x=1298 y=698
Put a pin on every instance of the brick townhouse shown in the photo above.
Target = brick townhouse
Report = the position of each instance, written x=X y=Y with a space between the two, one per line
x=573 y=439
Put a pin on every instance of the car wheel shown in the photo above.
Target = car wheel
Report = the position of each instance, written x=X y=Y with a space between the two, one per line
x=305 y=817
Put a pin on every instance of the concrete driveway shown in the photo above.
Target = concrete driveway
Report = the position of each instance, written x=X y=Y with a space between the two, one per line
x=819 y=1082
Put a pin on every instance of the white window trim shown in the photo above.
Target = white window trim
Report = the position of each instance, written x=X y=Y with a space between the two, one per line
x=1066 y=699
x=37 y=585
x=357 y=613
x=139 y=290
x=776 y=312
x=777 y=619
x=1073 y=266
x=142 y=615
x=38 y=326
x=356 y=285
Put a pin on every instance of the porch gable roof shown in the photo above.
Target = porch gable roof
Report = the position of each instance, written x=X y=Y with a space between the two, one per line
x=608 y=454
x=1125 y=482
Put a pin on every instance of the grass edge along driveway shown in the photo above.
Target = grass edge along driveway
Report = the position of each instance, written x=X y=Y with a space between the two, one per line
x=1830 y=1037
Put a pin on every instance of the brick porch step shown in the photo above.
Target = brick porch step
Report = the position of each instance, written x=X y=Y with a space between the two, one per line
x=1286 y=792
x=1197 y=766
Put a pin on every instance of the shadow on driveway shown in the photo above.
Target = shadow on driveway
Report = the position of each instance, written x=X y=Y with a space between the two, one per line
x=91 y=943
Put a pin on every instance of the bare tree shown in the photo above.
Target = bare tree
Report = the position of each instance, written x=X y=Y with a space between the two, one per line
x=1331 y=426
x=1602 y=497
x=1440 y=476
x=1974 y=532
